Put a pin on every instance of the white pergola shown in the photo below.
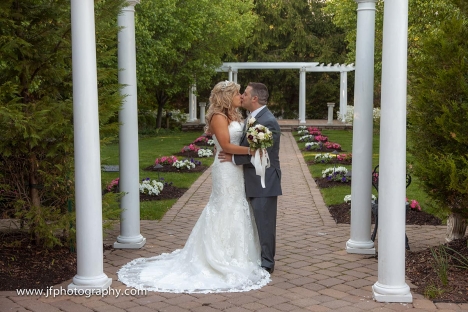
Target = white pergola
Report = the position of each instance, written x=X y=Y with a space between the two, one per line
x=391 y=285
x=233 y=69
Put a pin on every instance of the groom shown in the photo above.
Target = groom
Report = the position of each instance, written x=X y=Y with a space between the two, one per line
x=263 y=200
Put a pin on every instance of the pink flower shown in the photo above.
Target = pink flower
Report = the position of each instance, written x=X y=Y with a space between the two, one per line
x=415 y=205
x=114 y=183
x=321 y=138
x=331 y=145
x=191 y=147
x=165 y=160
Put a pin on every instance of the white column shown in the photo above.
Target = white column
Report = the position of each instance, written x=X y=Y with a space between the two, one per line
x=89 y=252
x=130 y=236
x=302 y=95
x=194 y=101
x=230 y=74
x=391 y=285
x=330 y=113
x=343 y=93
x=361 y=182
x=202 y=112
x=190 y=97
x=234 y=76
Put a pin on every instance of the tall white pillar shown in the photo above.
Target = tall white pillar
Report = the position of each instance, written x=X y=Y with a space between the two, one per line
x=202 y=112
x=190 y=99
x=192 y=103
x=302 y=95
x=230 y=74
x=391 y=285
x=89 y=251
x=234 y=76
x=330 y=113
x=343 y=93
x=361 y=182
x=130 y=236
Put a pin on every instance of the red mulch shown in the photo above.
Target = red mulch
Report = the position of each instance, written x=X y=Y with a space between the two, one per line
x=338 y=163
x=422 y=270
x=342 y=214
x=170 y=168
x=25 y=265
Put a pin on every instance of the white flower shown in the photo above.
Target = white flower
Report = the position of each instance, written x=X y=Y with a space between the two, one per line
x=211 y=142
x=252 y=120
x=301 y=128
x=261 y=136
x=334 y=170
x=323 y=156
x=308 y=137
x=305 y=131
x=310 y=145
x=151 y=187
x=184 y=164
x=204 y=152
x=347 y=198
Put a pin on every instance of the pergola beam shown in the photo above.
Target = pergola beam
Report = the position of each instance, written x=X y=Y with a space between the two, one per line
x=232 y=69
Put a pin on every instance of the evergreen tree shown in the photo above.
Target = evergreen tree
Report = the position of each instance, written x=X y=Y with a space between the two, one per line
x=294 y=31
x=438 y=117
x=36 y=141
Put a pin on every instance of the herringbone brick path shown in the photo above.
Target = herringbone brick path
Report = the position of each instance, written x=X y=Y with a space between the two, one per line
x=313 y=270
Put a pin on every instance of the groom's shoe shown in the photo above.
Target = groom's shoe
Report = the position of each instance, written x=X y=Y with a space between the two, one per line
x=269 y=270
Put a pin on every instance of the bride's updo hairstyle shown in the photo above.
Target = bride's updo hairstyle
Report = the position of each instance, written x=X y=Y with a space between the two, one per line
x=221 y=102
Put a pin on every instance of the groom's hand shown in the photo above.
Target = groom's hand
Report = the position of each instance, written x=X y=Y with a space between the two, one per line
x=223 y=157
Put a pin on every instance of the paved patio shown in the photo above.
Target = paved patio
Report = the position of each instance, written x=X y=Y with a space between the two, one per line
x=313 y=271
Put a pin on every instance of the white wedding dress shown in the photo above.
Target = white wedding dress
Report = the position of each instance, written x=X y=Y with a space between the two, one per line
x=222 y=254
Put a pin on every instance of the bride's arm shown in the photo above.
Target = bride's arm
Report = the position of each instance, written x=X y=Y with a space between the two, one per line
x=219 y=127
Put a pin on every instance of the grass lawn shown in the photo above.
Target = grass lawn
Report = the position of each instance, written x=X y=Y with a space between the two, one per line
x=335 y=195
x=150 y=148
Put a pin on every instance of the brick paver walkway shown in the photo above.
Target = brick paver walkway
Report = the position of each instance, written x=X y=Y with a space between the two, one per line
x=313 y=270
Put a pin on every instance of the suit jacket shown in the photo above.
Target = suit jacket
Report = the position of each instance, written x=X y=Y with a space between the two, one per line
x=253 y=186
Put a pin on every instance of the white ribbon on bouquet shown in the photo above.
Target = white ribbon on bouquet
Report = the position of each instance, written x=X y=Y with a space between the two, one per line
x=261 y=162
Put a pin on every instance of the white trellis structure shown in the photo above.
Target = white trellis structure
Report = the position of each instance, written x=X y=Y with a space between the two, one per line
x=391 y=285
x=233 y=69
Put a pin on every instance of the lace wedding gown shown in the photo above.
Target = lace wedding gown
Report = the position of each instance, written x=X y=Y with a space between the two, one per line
x=222 y=254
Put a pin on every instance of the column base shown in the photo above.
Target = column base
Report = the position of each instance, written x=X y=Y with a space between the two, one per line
x=362 y=248
x=385 y=293
x=99 y=282
x=129 y=245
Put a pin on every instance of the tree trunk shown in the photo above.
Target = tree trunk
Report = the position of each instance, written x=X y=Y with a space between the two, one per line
x=456 y=227
x=33 y=190
x=161 y=98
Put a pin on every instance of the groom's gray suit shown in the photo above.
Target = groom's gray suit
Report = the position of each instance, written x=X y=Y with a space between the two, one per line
x=264 y=200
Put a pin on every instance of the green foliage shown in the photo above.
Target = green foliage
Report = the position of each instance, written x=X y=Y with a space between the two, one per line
x=36 y=142
x=438 y=113
x=180 y=43
x=424 y=17
x=441 y=263
x=163 y=143
x=294 y=31
x=433 y=291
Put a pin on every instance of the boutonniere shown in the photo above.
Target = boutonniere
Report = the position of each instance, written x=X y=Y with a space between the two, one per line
x=251 y=122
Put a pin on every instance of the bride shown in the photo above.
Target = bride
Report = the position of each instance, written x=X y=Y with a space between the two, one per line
x=222 y=254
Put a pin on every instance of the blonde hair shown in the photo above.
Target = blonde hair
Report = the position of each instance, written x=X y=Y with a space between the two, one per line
x=221 y=103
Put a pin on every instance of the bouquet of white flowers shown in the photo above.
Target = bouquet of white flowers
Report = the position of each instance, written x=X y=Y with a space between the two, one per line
x=259 y=138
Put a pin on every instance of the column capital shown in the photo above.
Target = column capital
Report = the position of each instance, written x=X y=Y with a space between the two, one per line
x=133 y=2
